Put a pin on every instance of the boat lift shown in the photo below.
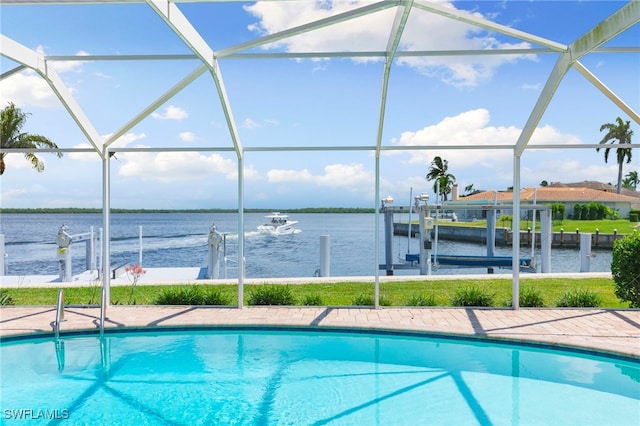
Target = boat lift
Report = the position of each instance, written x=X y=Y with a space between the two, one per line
x=425 y=260
x=64 y=241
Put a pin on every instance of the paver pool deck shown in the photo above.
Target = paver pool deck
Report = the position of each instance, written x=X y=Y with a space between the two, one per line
x=614 y=331
x=611 y=331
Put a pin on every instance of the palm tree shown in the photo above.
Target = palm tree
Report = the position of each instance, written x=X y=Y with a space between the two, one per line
x=469 y=189
x=621 y=133
x=632 y=178
x=11 y=121
x=443 y=180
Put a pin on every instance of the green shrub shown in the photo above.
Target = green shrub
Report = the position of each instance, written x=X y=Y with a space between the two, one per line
x=557 y=211
x=531 y=297
x=215 y=297
x=421 y=300
x=577 y=211
x=384 y=301
x=612 y=214
x=634 y=217
x=472 y=296
x=506 y=218
x=312 y=300
x=625 y=268
x=191 y=295
x=579 y=298
x=5 y=298
x=365 y=300
x=272 y=295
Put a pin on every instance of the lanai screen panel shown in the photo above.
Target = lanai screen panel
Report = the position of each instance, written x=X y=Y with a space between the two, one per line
x=400 y=79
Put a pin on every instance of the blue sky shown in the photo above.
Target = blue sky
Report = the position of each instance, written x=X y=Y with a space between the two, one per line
x=435 y=101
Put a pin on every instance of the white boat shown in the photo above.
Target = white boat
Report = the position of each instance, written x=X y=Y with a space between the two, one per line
x=278 y=224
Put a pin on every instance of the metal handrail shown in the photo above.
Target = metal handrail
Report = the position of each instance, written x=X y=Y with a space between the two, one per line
x=103 y=309
x=59 y=312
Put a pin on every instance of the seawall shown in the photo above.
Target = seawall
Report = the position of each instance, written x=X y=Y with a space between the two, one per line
x=504 y=237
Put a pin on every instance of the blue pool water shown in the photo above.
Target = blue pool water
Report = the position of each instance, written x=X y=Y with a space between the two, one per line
x=303 y=377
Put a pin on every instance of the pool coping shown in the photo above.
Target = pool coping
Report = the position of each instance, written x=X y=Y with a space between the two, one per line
x=605 y=331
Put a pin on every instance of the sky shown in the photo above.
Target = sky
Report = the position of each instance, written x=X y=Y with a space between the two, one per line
x=434 y=101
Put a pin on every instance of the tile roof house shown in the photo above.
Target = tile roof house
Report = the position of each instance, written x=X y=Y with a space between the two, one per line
x=568 y=195
x=600 y=186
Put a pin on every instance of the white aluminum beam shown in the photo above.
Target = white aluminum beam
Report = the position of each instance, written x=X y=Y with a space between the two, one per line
x=106 y=228
x=402 y=14
x=37 y=62
x=228 y=114
x=515 y=240
x=626 y=17
x=15 y=70
x=332 y=54
x=174 y=18
x=475 y=21
x=376 y=238
x=301 y=29
x=156 y=104
x=607 y=92
x=182 y=27
x=559 y=70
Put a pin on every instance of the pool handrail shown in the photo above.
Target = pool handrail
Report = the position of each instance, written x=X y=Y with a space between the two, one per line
x=59 y=312
x=103 y=309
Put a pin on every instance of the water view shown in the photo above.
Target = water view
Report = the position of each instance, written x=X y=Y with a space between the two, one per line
x=180 y=240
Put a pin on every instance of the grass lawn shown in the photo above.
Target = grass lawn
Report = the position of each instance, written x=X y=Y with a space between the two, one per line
x=341 y=294
x=605 y=226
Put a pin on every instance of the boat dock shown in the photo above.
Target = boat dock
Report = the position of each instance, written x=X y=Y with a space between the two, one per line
x=504 y=236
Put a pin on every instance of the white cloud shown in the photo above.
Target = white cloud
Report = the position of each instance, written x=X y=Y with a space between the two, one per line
x=27 y=89
x=249 y=123
x=532 y=86
x=84 y=156
x=279 y=176
x=18 y=161
x=249 y=173
x=171 y=112
x=547 y=135
x=446 y=34
x=472 y=127
x=12 y=194
x=102 y=75
x=371 y=32
x=351 y=176
x=122 y=142
x=188 y=137
x=65 y=66
x=271 y=122
x=489 y=168
x=173 y=166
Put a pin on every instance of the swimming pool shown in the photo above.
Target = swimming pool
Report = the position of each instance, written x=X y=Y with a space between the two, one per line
x=301 y=376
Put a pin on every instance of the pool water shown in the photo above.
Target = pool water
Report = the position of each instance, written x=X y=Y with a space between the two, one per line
x=309 y=377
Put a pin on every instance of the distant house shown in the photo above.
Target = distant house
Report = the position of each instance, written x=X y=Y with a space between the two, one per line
x=567 y=195
x=591 y=184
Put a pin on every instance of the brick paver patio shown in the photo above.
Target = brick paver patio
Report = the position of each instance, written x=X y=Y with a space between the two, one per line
x=613 y=331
